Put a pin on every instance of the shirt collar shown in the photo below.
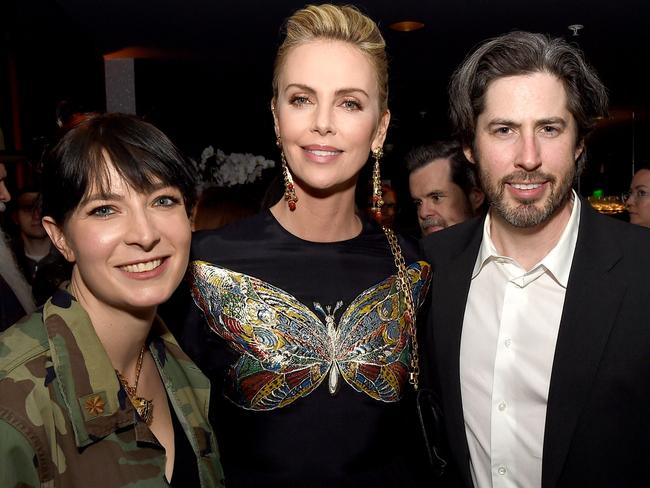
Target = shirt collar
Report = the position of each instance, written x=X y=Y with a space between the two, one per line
x=557 y=262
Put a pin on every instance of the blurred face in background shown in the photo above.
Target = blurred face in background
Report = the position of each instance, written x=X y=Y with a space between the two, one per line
x=440 y=202
x=638 y=201
x=4 y=192
x=28 y=216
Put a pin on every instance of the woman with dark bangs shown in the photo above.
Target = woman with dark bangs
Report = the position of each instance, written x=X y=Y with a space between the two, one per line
x=94 y=391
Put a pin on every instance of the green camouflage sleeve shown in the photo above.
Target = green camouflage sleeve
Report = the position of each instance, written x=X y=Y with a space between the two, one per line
x=16 y=459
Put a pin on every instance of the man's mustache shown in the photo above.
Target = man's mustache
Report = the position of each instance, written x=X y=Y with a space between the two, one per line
x=433 y=222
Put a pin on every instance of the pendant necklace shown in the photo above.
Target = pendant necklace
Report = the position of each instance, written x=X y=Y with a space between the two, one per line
x=143 y=406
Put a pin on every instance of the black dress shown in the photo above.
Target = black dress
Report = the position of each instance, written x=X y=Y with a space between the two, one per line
x=279 y=309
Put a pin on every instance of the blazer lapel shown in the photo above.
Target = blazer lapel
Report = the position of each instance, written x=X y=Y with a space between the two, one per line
x=594 y=292
x=450 y=286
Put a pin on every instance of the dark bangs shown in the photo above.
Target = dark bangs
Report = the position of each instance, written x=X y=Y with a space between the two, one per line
x=139 y=152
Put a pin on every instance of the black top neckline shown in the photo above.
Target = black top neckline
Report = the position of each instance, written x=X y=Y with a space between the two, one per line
x=366 y=226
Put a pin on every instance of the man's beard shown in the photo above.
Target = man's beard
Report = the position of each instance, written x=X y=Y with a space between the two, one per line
x=524 y=213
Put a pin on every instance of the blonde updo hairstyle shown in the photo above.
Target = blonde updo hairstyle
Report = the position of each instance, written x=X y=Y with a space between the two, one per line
x=337 y=23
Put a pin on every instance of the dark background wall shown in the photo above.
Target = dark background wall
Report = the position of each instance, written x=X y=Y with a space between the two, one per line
x=210 y=82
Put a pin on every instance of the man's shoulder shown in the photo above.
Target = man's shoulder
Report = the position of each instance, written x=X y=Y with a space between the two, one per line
x=452 y=239
x=633 y=240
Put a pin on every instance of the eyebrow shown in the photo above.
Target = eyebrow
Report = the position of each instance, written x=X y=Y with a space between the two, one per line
x=101 y=196
x=338 y=93
x=115 y=196
x=553 y=121
x=512 y=123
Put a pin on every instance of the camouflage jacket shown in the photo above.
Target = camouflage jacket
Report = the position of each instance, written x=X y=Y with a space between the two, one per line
x=65 y=419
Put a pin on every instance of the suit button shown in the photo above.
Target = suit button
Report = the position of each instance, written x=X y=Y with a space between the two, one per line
x=502 y=470
x=502 y=406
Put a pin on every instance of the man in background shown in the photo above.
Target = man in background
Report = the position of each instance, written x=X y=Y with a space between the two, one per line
x=31 y=243
x=443 y=186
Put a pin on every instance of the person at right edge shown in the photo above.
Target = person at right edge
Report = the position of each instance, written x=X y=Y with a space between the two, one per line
x=540 y=310
x=309 y=331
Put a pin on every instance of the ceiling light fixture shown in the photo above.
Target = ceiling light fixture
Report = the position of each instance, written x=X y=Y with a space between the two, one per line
x=406 y=26
x=575 y=28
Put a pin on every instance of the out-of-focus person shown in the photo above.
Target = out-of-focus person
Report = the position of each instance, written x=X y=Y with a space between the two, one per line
x=388 y=208
x=5 y=196
x=94 y=391
x=15 y=294
x=219 y=206
x=637 y=199
x=443 y=185
x=53 y=272
x=31 y=243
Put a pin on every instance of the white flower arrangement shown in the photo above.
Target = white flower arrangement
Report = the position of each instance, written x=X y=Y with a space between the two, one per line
x=217 y=168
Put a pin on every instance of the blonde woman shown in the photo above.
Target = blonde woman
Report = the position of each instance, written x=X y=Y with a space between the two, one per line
x=309 y=339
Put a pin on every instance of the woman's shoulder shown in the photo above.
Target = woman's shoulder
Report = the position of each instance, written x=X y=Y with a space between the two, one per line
x=26 y=370
x=21 y=343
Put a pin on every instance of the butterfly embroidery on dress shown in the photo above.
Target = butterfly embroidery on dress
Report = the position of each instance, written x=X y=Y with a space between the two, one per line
x=287 y=351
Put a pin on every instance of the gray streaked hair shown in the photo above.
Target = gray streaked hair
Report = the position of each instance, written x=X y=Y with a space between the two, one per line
x=521 y=53
x=11 y=274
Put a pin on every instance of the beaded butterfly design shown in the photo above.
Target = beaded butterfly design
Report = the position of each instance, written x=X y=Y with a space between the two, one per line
x=287 y=351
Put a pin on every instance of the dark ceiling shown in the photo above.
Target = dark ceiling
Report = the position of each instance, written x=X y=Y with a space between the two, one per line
x=214 y=85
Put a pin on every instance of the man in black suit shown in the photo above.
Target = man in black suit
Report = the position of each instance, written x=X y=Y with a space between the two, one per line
x=539 y=332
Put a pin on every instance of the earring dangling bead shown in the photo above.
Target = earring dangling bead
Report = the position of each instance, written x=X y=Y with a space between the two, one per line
x=377 y=197
x=289 y=191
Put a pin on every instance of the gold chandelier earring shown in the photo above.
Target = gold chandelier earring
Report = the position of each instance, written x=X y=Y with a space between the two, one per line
x=377 y=200
x=289 y=191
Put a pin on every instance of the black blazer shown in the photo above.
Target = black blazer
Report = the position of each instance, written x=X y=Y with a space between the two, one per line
x=598 y=414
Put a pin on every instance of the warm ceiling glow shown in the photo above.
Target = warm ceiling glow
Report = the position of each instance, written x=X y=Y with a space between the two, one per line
x=406 y=25
x=137 y=52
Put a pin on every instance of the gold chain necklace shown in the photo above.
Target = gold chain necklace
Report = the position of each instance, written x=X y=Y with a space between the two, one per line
x=143 y=406
x=403 y=282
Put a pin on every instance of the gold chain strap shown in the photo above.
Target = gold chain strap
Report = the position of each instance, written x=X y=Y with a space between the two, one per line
x=403 y=283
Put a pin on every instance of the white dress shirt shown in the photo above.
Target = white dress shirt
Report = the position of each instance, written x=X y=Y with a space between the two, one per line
x=511 y=322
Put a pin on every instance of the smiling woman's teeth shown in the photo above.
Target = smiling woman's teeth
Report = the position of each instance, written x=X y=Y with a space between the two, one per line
x=529 y=186
x=318 y=152
x=142 y=267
